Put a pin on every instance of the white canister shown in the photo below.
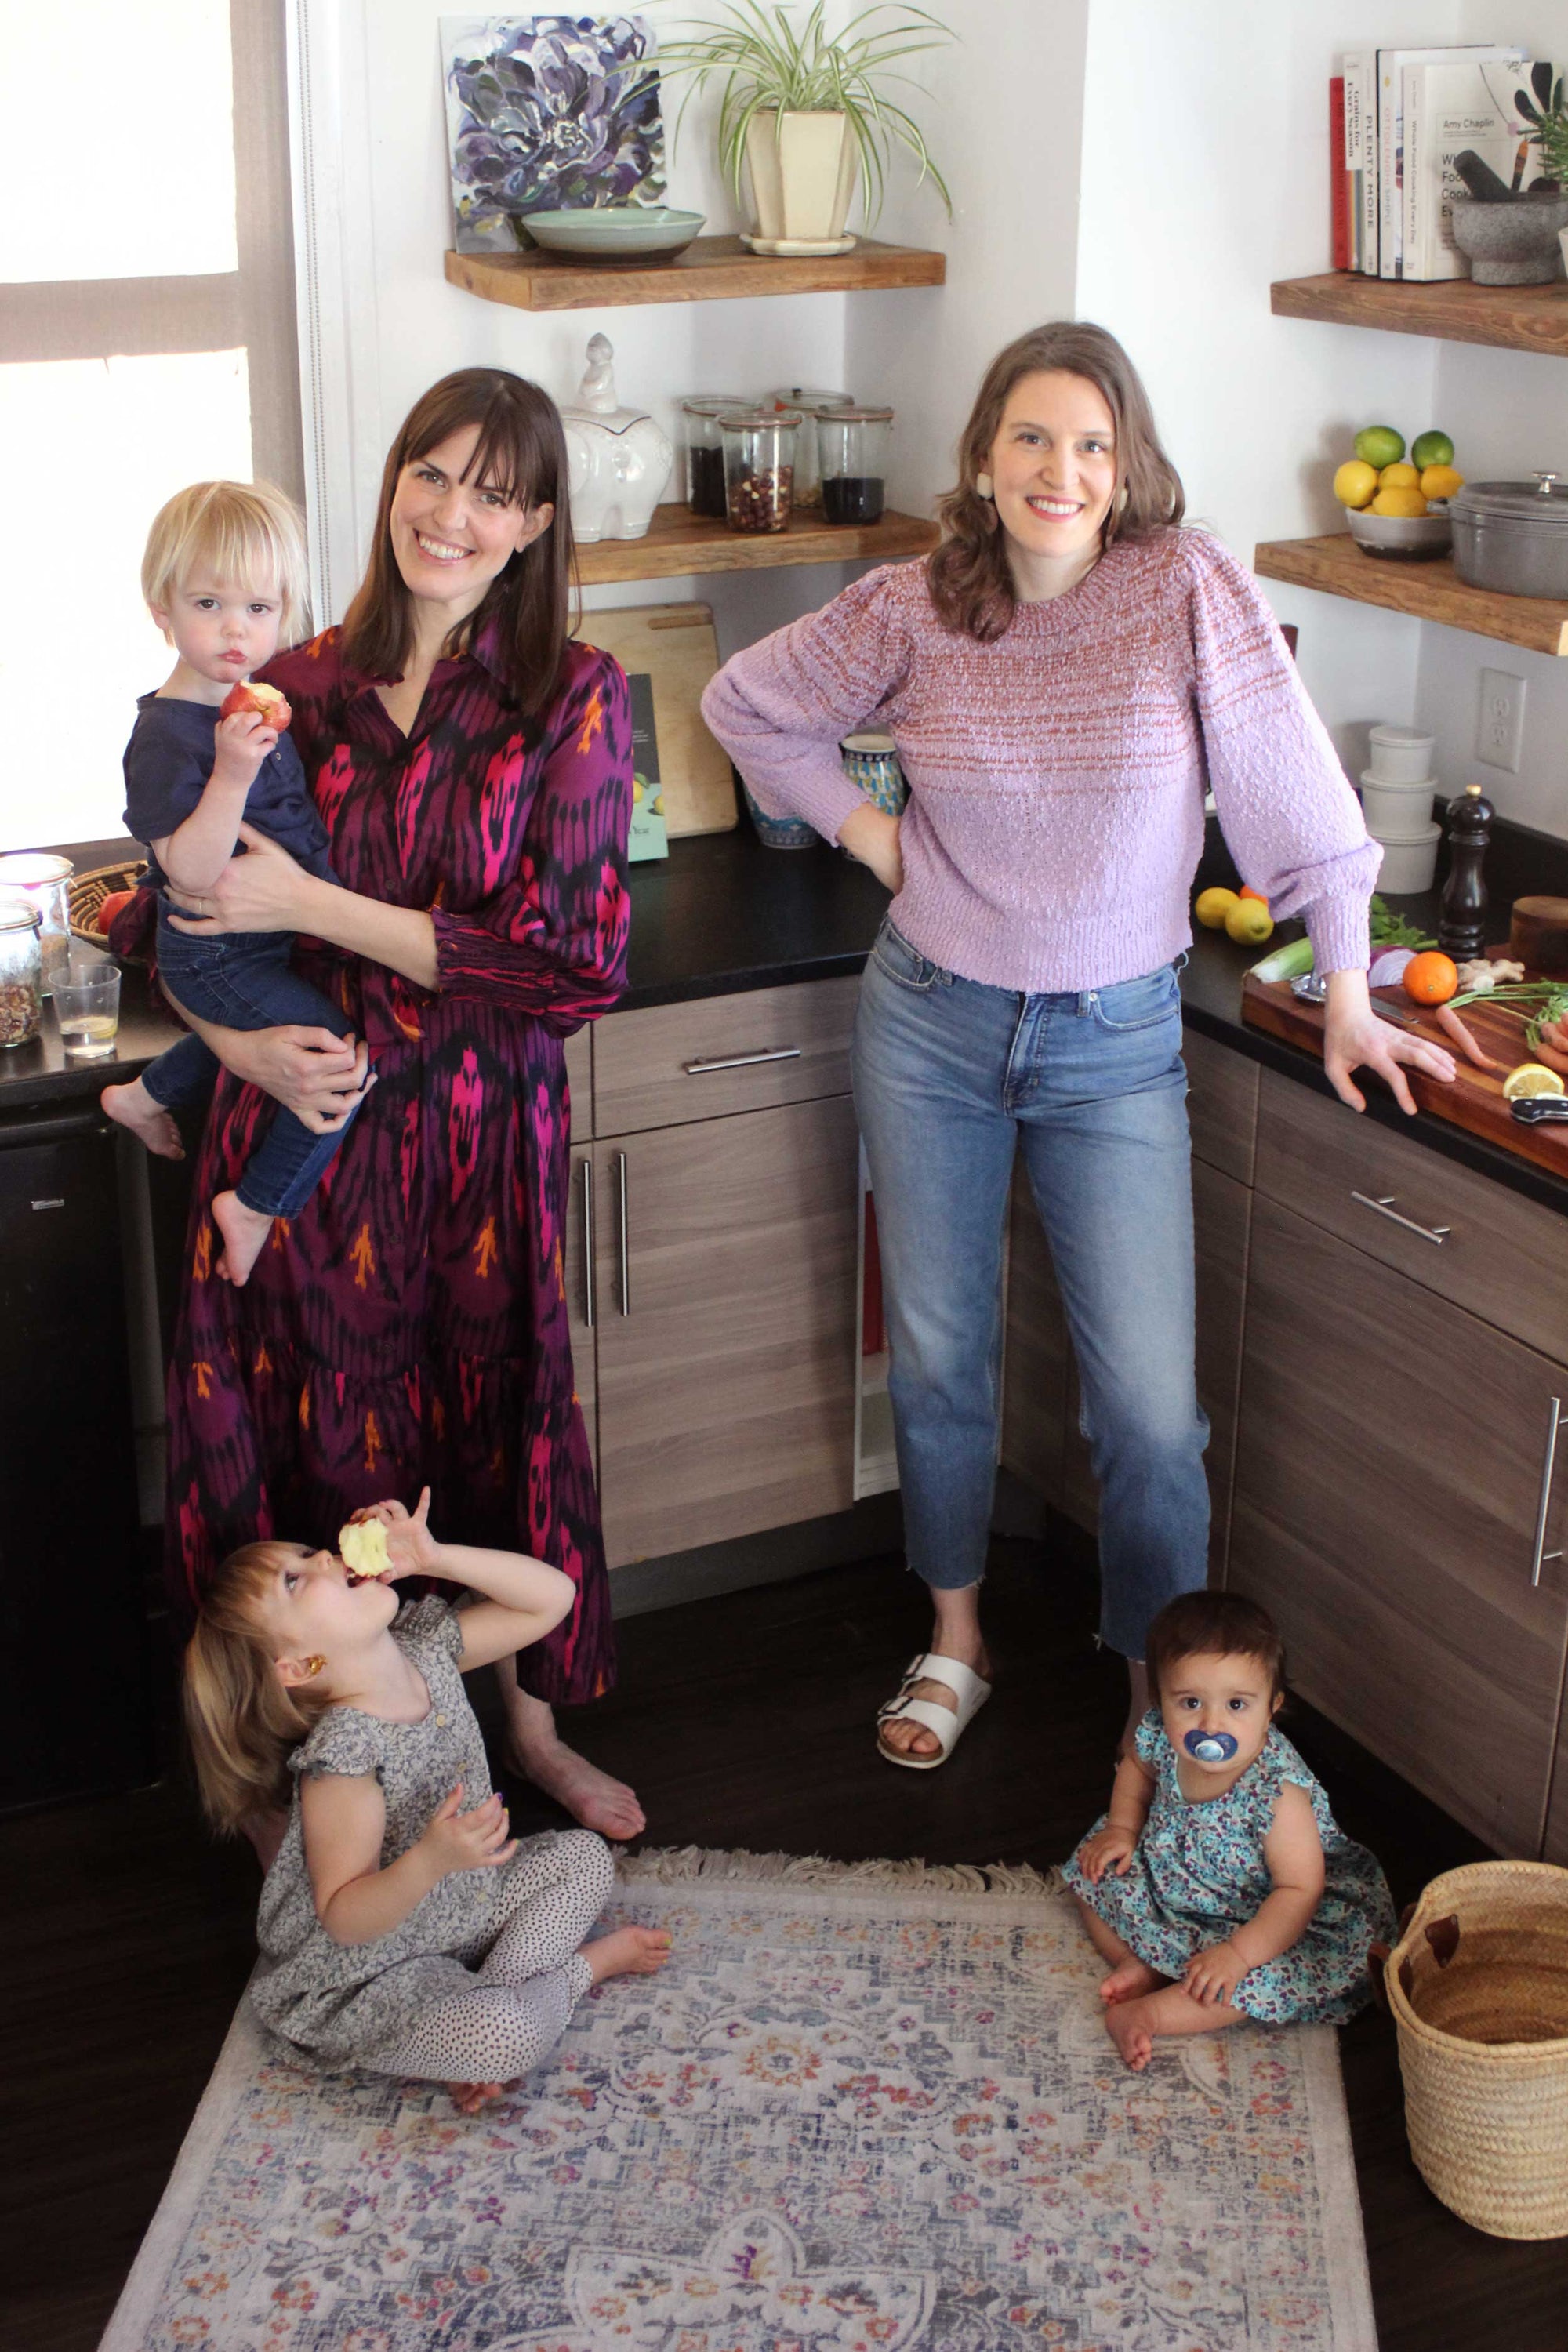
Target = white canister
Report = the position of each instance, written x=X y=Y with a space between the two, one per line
x=1409 y=866
x=1400 y=755
x=1396 y=811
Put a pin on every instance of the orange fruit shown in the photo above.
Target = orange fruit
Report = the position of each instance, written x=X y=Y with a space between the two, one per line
x=1246 y=891
x=1431 y=978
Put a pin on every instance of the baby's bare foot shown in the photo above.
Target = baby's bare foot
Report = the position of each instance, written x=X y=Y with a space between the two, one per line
x=472 y=2098
x=1127 y=2022
x=133 y=1107
x=243 y=1232
x=1128 y=1982
x=626 y=1951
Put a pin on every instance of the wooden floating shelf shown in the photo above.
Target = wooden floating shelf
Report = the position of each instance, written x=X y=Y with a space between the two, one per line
x=1510 y=317
x=1430 y=591
x=712 y=269
x=679 y=541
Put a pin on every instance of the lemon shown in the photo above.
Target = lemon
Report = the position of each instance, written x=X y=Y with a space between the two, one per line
x=1531 y=1078
x=1399 y=477
x=1440 y=481
x=1355 y=482
x=1432 y=448
x=1380 y=445
x=1405 y=503
x=1249 y=923
x=636 y=789
x=1212 y=907
x=658 y=804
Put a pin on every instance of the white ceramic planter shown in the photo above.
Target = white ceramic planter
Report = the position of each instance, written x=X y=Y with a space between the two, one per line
x=802 y=176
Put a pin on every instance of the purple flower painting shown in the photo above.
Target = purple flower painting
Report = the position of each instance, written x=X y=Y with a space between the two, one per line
x=546 y=112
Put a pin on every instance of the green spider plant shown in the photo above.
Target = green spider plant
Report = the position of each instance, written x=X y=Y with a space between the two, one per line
x=768 y=65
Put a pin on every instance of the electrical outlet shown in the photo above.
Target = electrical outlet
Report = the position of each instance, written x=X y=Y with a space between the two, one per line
x=1500 y=726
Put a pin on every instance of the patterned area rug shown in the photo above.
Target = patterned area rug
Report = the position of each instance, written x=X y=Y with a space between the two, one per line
x=866 y=2108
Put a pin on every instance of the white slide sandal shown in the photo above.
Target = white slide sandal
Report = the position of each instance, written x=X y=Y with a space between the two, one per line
x=943 y=1722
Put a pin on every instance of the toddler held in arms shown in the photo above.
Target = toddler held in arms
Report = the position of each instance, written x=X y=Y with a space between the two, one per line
x=401 y=1928
x=1218 y=1885
x=225 y=577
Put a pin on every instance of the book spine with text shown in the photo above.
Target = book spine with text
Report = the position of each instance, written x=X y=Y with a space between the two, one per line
x=1339 y=178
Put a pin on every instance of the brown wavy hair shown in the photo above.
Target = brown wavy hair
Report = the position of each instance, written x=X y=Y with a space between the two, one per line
x=241 y=1717
x=1206 y=1625
x=970 y=580
x=523 y=451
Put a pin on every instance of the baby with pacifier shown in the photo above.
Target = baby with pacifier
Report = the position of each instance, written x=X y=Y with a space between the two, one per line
x=1218 y=1885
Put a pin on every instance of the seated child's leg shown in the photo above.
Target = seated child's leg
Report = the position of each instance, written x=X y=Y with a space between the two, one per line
x=552 y=1894
x=495 y=2033
x=1129 y=1976
x=1136 y=2025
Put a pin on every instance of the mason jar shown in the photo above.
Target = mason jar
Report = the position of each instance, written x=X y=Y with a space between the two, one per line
x=854 y=445
x=760 y=447
x=811 y=406
x=45 y=881
x=21 y=971
x=700 y=414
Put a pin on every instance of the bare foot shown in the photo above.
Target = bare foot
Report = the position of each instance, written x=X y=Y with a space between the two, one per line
x=1129 y=1981
x=626 y=1952
x=243 y=1232
x=590 y=1796
x=472 y=2098
x=1127 y=2024
x=913 y=1739
x=133 y=1107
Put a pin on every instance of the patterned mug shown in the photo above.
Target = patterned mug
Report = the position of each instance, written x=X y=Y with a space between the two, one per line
x=872 y=762
x=780 y=832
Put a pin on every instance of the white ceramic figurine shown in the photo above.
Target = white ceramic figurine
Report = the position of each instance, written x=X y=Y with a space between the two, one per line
x=620 y=462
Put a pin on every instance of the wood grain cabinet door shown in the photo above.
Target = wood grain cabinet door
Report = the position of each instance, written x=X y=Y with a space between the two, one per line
x=1389 y=1485
x=580 y=1274
x=727 y=1257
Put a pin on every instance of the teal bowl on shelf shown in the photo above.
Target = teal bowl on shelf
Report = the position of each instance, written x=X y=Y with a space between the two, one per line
x=615 y=232
x=780 y=832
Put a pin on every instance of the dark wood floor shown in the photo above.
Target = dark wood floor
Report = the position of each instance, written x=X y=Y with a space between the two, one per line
x=743 y=1722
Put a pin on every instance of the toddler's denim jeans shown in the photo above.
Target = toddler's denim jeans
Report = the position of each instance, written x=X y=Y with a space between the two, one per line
x=951 y=1078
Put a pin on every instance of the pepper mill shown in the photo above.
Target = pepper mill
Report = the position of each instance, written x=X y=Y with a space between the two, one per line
x=1462 y=917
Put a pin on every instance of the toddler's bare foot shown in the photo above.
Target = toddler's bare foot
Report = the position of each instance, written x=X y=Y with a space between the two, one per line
x=1128 y=1982
x=243 y=1232
x=472 y=2098
x=1129 y=2025
x=133 y=1107
x=626 y=1951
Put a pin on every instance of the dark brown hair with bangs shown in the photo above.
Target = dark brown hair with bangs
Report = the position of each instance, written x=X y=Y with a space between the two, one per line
x=1213 y=1625
x=521 y=451
x=970 y=580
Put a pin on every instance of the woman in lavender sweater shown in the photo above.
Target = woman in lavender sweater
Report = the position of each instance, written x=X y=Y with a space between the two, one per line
x=1063 y=679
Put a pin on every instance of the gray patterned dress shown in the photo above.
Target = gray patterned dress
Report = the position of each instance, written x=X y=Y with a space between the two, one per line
x=476 y=1984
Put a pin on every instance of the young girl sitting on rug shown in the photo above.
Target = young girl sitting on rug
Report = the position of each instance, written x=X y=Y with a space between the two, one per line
x=401 y=1929
x=1219 y=1884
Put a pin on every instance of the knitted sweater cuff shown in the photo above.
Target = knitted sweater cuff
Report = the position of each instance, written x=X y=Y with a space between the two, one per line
x=1337 y=930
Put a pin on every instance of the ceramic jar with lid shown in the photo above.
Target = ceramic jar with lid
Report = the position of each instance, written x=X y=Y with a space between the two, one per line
x=44 y=879
x=1512 y=537
x=21 y=971
x=618 y=460
x=699 y=415
x=760 y=458
x=809 y=406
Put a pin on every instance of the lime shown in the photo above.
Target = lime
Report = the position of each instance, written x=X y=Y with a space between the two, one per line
x=1432 y=449
x=1355 y=482
x=1212 y=907
x=1380 y=446
x=1403 y=504
x=1531 y=1078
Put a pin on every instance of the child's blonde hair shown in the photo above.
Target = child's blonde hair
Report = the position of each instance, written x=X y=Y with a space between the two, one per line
x=241 y=1717
x=244 y=533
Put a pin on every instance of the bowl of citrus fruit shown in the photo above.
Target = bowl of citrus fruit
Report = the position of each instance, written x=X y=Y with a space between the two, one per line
x=1398 y=505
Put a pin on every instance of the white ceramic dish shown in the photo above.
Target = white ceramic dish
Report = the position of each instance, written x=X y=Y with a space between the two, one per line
x=1400 y=755
x=615 y=232
x=1408 y=538
x=1396 y=811
x=1409 y=866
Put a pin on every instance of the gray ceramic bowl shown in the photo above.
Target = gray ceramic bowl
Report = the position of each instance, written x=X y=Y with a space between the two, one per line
x=1513 y=244
x=1410 y=537
x=615 y=232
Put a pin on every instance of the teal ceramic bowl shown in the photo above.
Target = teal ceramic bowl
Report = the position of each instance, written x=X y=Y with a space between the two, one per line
x=615 y=232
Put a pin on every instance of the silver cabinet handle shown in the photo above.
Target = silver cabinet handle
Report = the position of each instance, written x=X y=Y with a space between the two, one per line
x=743 y=1061
x=626 y=1237
x=1543 y=1504
x=590 y=1280
x=1385 y=1208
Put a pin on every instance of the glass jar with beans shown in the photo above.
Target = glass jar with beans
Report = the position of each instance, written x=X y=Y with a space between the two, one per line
x=21 y=971
x=758 y=466
x=700 y=414
x=854 y=445
x=811 y=406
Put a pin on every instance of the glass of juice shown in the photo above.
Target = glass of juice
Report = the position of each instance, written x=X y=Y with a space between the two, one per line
x=87 y=1006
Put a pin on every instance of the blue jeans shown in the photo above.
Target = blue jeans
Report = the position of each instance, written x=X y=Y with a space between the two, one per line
x=244 y=981
x=949 y=1078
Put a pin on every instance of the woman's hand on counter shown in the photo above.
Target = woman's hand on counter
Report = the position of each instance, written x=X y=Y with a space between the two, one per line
x=871 y=836
x=1354 y=1037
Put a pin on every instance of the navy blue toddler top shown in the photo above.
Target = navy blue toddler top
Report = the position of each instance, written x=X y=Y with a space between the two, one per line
x=168 y=760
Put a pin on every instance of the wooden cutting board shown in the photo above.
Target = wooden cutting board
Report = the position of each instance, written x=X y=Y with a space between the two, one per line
x=1474 y=1101
x=674 y=646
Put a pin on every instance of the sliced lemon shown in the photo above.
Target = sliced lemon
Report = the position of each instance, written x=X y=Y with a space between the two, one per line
x=1531 y=1078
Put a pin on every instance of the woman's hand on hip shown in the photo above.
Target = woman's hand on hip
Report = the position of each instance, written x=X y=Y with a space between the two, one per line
x=1355 y=1037
x=872 y=837
x=265 y=891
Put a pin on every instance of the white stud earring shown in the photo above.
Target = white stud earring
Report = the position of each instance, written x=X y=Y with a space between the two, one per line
x=984 y=487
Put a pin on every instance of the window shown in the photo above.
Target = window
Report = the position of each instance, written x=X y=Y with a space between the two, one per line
x=147 y=339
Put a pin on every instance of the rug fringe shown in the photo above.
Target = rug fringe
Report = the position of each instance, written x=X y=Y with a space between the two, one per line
x=669 y=1865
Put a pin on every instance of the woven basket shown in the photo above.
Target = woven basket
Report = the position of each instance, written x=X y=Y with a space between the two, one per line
x=88 y=891
x=1478 y=1985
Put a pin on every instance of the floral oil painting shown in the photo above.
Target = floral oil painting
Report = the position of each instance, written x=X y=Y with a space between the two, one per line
x=545 y=113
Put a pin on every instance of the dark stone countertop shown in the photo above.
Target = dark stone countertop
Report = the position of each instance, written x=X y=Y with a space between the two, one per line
x=723 y=914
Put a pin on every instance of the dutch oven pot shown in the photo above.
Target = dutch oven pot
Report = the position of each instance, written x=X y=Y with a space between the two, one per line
x=1512 y=536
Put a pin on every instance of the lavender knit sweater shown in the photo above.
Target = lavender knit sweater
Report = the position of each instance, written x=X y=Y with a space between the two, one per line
x=1056 y=777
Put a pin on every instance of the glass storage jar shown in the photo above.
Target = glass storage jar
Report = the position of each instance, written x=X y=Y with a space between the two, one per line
x=21 y=971
x=854 y=445
x=700 y=414
x=811 y=406
x=45 y=880
x=760 y=447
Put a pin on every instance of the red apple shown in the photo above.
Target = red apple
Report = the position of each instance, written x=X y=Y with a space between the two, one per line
x=251 y=695
x=112 y=903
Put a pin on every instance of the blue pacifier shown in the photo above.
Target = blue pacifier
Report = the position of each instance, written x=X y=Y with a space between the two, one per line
x=1211 y=1747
